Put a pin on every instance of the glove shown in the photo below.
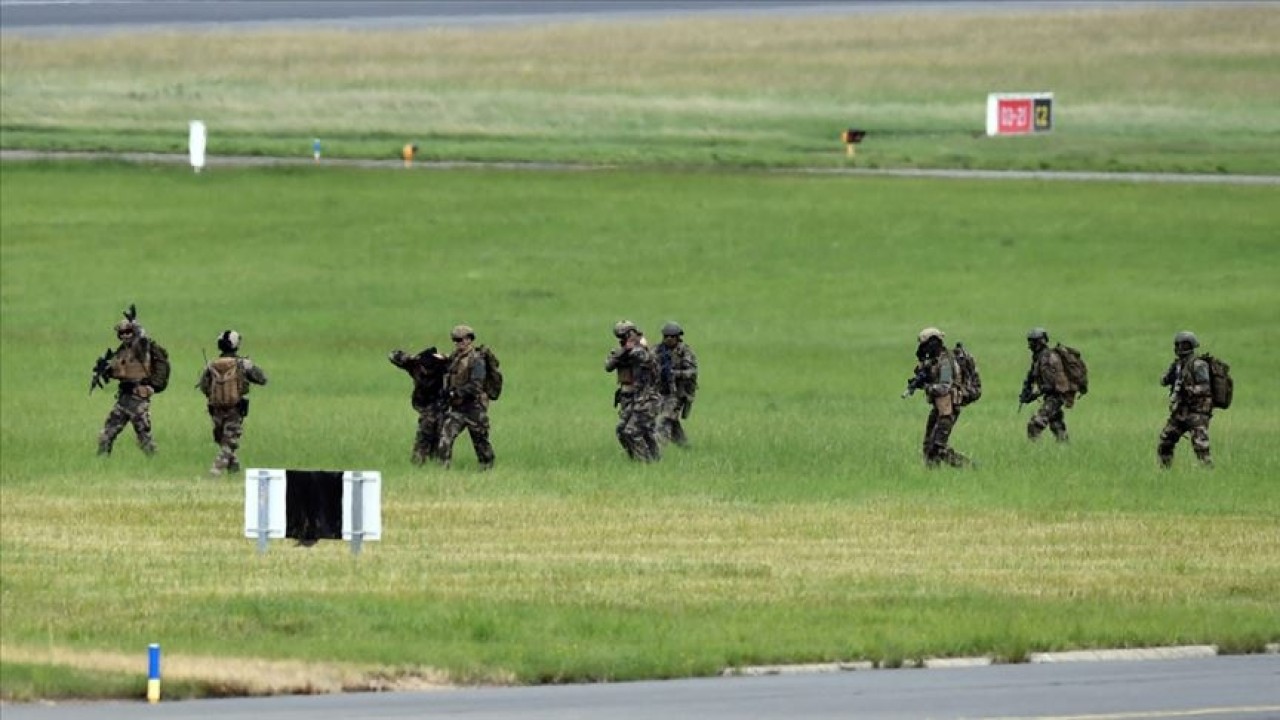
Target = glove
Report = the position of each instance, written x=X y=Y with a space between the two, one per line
x=144 y=391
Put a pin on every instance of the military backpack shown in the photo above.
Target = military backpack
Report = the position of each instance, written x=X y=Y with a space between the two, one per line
x=1076 y=370
x=226 y=382
x=1221 y=386
x=969 y=381
x=492 y=374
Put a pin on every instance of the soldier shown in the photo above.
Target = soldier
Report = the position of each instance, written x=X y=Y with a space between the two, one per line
x=1190 y=401
x=940 y=374
x=637 y=397
x=427 y=369
x=1047 y=379
x=464 y=388
x=225 y=383
x=141 y=366
x=678 y=383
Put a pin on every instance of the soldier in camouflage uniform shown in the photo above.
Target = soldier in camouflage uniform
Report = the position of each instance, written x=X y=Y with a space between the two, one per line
x=637 y=397
x=141 y=366
x=1190 y=401
x=677 y=383
x=1047 y=380
x=941 y=371
x=468 y=403
x=427 y=369
x=225 y=383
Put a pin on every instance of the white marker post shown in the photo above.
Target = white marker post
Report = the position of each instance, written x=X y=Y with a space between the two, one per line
x=264 y=510
x=361 y=507
x=196 y=145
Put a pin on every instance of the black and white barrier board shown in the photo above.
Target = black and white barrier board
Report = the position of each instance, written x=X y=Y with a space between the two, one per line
x=313 y=505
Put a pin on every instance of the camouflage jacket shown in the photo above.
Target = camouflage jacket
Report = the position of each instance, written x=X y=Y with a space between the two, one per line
x=464 y=378
x=677 y=370
x=427 y=369
x=1188 y=382
x=636 y=367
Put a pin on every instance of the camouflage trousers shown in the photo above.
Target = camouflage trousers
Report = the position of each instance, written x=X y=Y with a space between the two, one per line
x=228 y=427
x=1196 y=425
x=937 y=439
x=474 y=418
x=670 y=426
x=1051 y=416
x=426 y=442
x=637 y=426
x=129 y=408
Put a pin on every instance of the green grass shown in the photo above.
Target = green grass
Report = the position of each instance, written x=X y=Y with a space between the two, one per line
x=800 y=527
x=1157 y=88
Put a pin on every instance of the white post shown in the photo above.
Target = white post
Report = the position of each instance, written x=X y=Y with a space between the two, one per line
x=196 y=144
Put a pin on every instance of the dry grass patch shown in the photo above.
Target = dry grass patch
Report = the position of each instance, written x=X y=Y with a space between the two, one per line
x=437 y=78
x=240 y=676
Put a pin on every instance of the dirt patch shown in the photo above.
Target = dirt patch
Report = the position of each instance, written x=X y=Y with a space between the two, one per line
x=244 y=676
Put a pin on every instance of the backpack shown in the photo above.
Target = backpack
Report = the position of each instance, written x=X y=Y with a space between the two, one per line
x=1073 y=365
x=226 y=382
x=1221 y=386
x=492 y=375
x=159 y=368
x=969 y=382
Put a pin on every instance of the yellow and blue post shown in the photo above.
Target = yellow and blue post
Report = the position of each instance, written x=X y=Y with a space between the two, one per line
x=153 y=673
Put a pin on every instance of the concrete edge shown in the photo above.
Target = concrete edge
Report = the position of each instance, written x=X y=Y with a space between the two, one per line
x=1177 y=652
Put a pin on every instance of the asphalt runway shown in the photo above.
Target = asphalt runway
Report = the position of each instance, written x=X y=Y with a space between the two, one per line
x=1214 y=688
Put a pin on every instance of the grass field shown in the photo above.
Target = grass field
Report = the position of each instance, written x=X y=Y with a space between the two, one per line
x=1163 y=88
x=801 y=526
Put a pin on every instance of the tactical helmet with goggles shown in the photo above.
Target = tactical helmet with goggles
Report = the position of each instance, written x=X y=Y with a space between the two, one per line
x=229 y=341
x=126 y=327
x=462 y=332
x=1186 y=339
x=1038 y=334
x=623 y=328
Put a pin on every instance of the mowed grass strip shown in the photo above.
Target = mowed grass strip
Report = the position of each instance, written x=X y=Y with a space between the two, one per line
x=1183 y=89
x=800 y=527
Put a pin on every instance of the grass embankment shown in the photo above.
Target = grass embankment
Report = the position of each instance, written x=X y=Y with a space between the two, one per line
x=1156 y=88
x=800 y=526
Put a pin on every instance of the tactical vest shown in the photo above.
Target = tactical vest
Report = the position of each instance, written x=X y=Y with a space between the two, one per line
x=127 y=366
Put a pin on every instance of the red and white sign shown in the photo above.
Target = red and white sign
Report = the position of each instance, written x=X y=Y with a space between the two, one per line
x=1019 y=113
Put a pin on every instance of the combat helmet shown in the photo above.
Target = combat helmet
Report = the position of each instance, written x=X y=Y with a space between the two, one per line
x=1186 y=337
x=461 y=332
x=672 y=329
x=930 y=332
x=229 y=341
x=623 y=327
x=1038 y=333
x=130 y=322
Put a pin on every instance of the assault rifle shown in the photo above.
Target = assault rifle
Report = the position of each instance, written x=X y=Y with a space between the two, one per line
x=917 y=381
x=1028 y=394
x=101 y=371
